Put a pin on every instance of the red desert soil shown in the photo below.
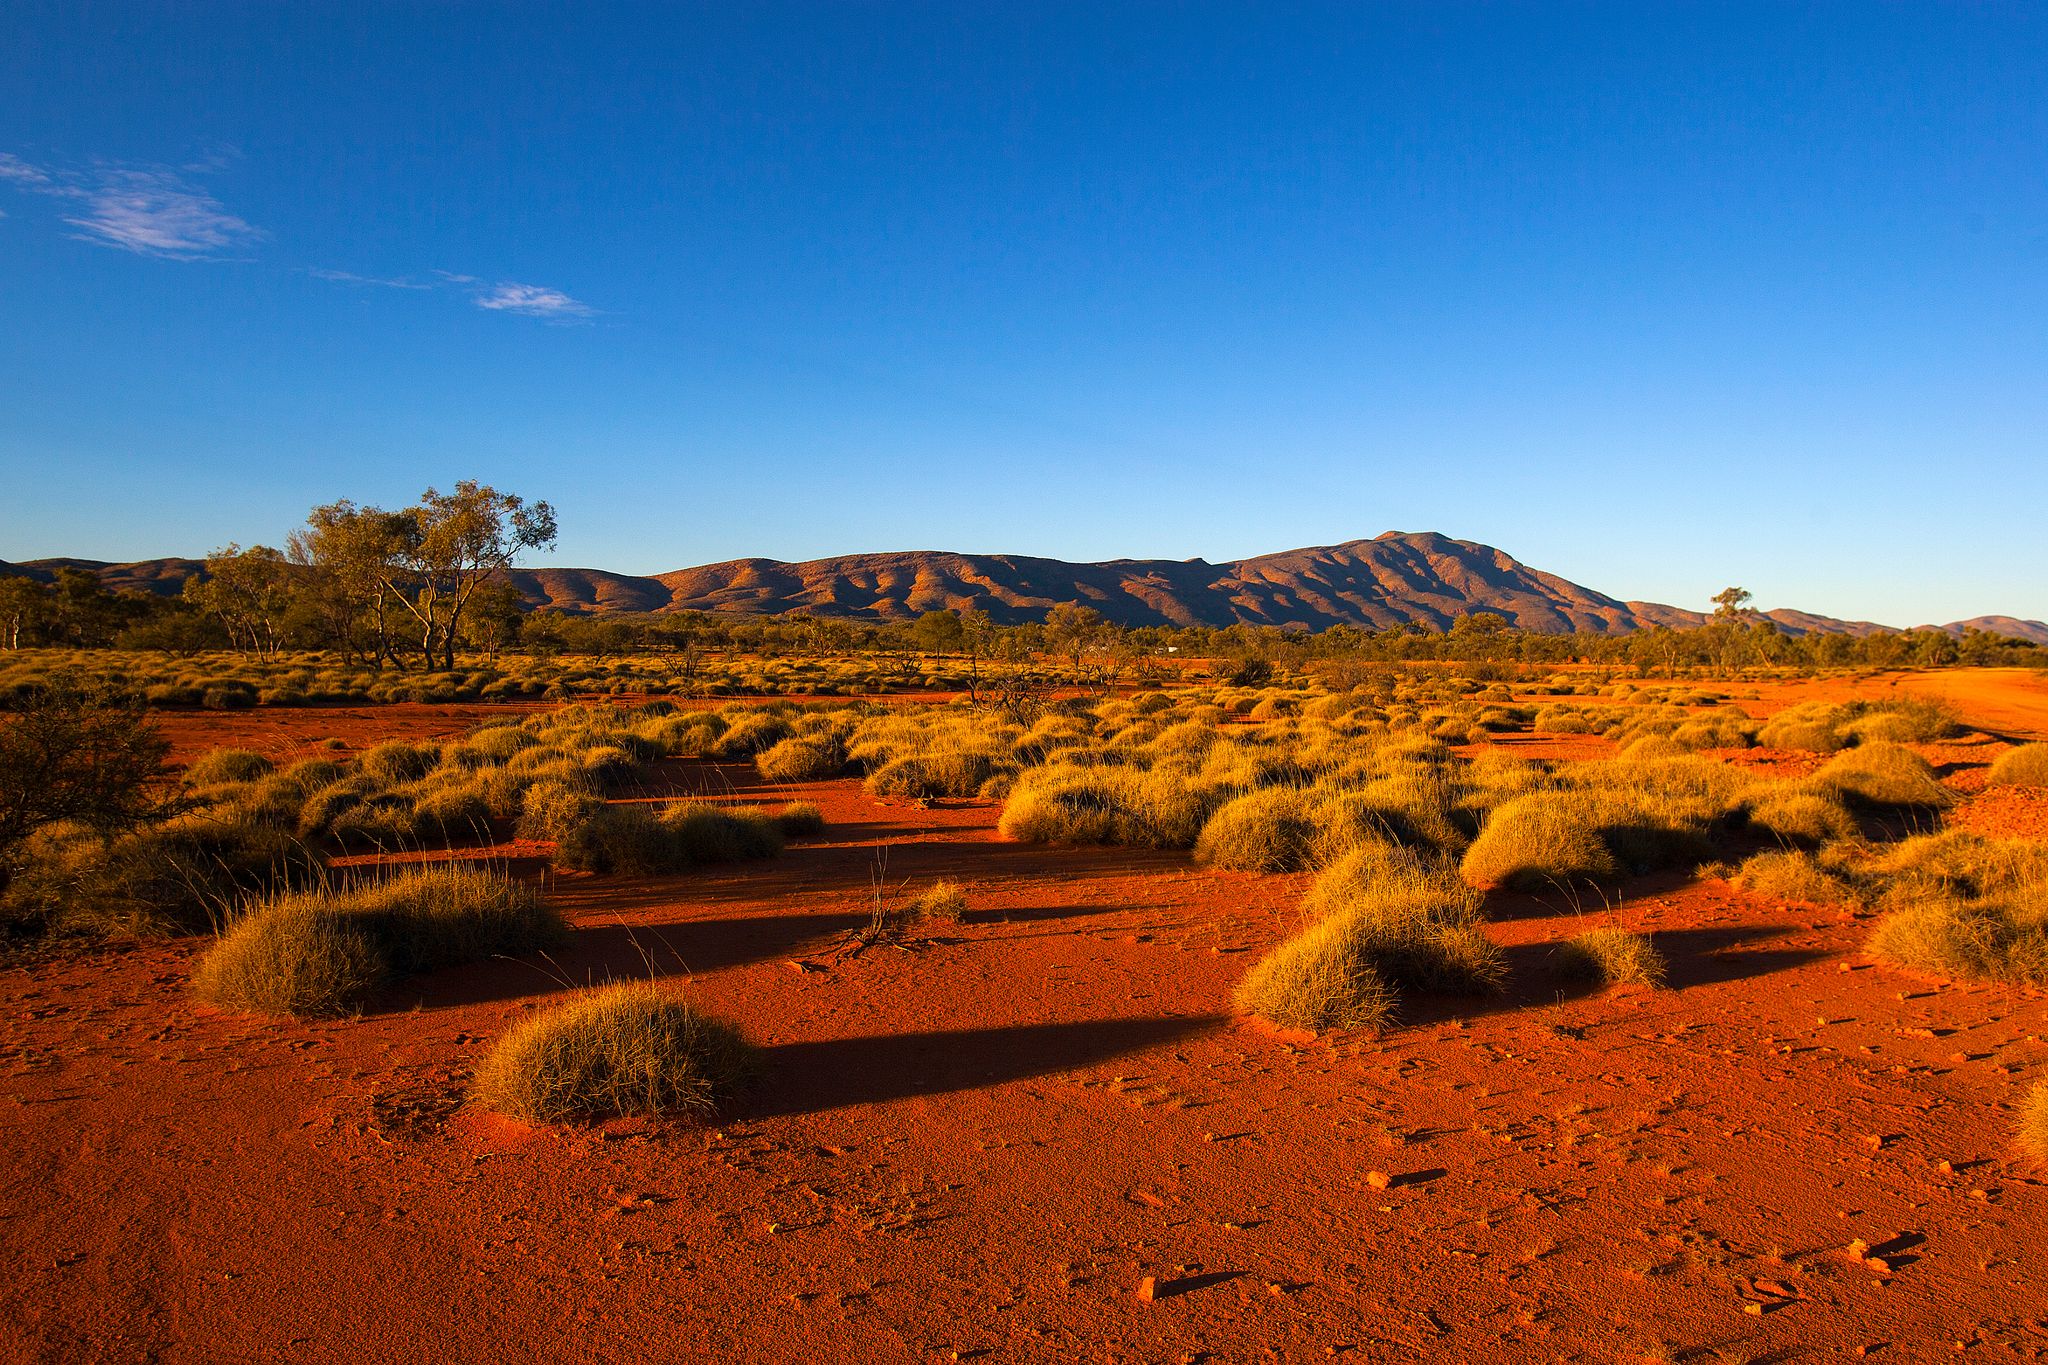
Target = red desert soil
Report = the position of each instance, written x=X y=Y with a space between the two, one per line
x=981 y=1148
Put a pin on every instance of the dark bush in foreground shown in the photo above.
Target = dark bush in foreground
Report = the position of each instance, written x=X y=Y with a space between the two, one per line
x=186 y=875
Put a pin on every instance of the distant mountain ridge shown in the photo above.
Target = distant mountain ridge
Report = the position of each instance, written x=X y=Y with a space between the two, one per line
x=1385 y=581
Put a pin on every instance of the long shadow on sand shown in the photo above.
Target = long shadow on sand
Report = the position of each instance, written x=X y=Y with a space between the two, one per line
x=1035 y=914
x=806 y=1078
x=1537 y=977
x=608 y=952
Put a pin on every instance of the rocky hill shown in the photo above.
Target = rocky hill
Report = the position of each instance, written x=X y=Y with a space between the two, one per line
x=1392 y=578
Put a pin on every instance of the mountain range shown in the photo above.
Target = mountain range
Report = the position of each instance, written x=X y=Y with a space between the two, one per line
x=1387 y=580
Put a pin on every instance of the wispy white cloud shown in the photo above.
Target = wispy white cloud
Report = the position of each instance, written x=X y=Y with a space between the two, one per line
x=16 y=171
x=155 y=210
x=350 y=277
x=149 y=210
x=156 y=213
x=502 y=296
x=530 y=300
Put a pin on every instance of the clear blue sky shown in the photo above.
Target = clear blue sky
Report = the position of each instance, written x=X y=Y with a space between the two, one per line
x=1657 y=296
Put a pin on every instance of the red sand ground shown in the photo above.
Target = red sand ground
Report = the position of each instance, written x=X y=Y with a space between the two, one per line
x=980 y=1148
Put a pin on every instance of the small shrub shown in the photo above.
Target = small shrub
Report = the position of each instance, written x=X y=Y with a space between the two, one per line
x=2026 y=766
x=631 y=1048
x=1612 y=956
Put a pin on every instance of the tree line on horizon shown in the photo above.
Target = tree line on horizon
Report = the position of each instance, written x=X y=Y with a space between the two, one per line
x=418 y=586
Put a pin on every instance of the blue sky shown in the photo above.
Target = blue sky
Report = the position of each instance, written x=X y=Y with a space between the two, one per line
x=1659 y=297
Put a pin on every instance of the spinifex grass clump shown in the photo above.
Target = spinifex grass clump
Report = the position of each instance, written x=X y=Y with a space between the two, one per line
x=329 y=951
x=1612 y=956
x=1803 y=817
x=228 y=765
x=632 y=1048
x=1883 y=775
x=1264 y=831
x=1813 y=726
x=1628 y=814
x=646 y=839
x=1540 y=840
x=1793 y=875
x=2033 y=1124
x=2026 y=766
x=1960 y=905
x=802 y=759
x=1070 y=804
x=185 y=875
x=1404 y=929
x=941 y=901
x=800 y=820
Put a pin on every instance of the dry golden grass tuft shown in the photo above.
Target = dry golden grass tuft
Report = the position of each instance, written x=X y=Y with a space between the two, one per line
x=941 y=901
x=1883 y=774
x=228 y=765
x=625 y=1049
x=1069 y=804
x=647 y=840
x=1792 y=875
x=326 y=952
x=800 y=820
x=1803 y=817
x=802 y=759
x=1322 y=978
x=1540 y=840
x=1263 y=831
x=1612 y=956
x=1404 y=929
x=2033 y=1124
x=2026 y=766
x=186 y=875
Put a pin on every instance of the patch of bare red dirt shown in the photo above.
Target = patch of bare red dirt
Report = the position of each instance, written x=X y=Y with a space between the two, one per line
x=982 y=1144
